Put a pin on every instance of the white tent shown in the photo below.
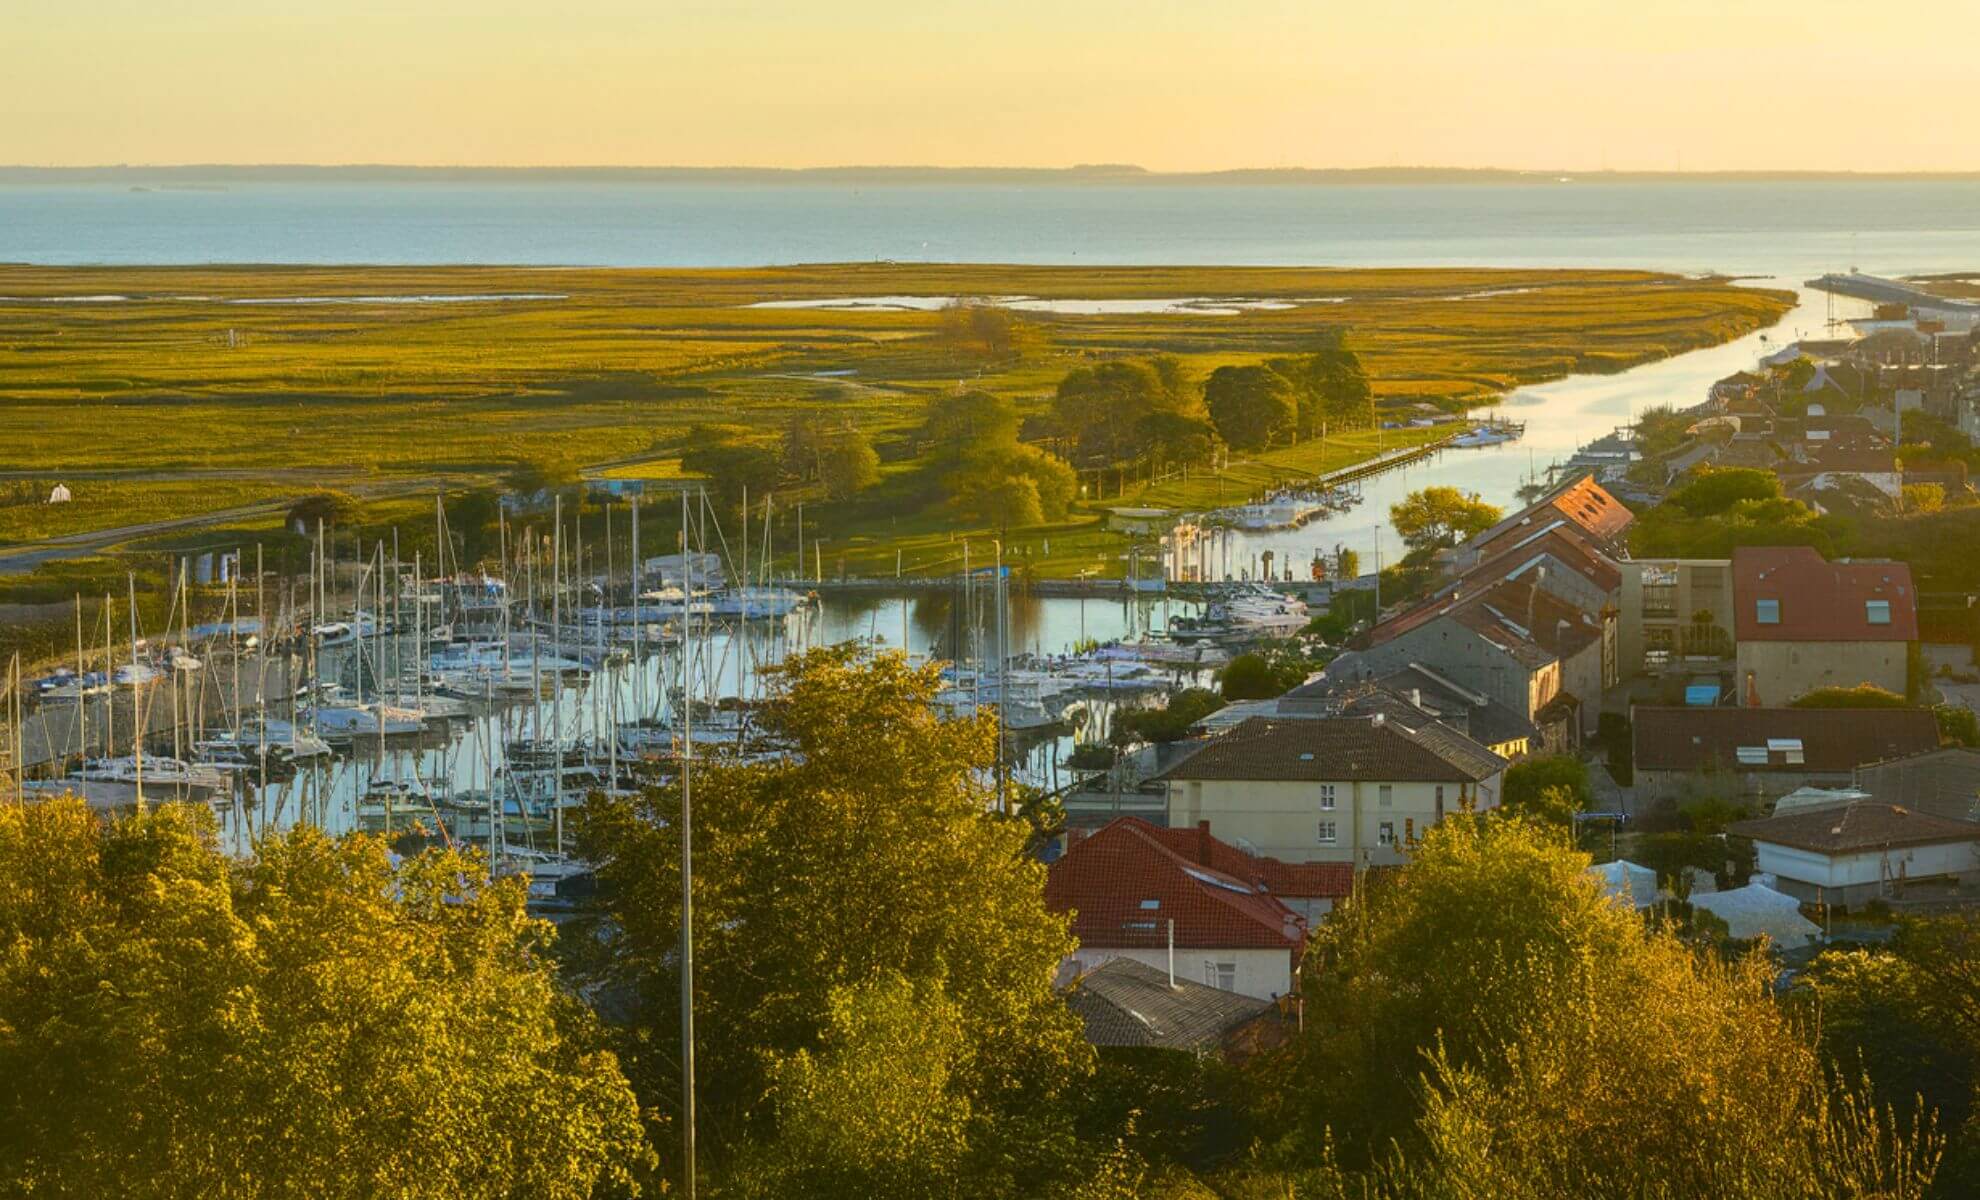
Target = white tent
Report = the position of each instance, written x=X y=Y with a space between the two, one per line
x=1757 y=909
x=60 y=494
x=1628 y=883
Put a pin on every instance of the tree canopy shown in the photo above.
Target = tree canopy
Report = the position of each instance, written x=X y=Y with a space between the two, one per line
x=1012 y=485
x=1112 y=412
x=1329 y=388
x=319 y=1021
x=848 y=465
x=874 y=852
x=1250 y=406
x=1440 y=516
x=734 y=468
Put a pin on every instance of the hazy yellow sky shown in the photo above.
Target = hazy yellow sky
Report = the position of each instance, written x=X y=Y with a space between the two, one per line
x=1168 y=84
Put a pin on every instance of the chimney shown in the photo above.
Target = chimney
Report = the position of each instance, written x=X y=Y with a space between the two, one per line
x=1203 y=843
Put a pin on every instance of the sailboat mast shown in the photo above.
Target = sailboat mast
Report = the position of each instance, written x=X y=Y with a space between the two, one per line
x=687 y=884
x=137 y=716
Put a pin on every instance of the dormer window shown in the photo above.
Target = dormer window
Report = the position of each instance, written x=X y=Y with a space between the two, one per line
x=1877 y=612
x=1767 y=612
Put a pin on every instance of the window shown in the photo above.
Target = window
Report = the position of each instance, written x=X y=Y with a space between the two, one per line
x=1387 y=835
x=1327 y=796
x=1220 y=975
x=1767 y=612
x=1385 y=794
x=1877 y=612
x=1328 y=833
x=1150 y=905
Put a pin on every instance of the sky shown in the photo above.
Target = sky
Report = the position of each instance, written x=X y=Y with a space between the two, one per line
x=1165 y=84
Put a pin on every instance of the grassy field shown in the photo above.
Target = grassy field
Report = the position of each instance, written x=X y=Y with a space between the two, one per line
x=221 y=385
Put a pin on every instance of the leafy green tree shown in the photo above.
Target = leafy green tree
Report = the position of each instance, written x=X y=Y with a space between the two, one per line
x=1271 y=670
x=1170 y=723
x=849 y=465
x=733 y=468
x=1712 y=492
x=1529 y=781
x=320 y=1021
x=875 y=847
x=875 y=1110
x=806 y=436
x=1250 y=406
x=1330 y=387
x=1106 y=409
x=974 y=327
x=1009 y=486
x=474 y=521
x=543 y=476
x=1488 y=1006
x=1440 y=516
x=1958 y=725
x=333 y=509
x=957 y=422
x=1174 y=438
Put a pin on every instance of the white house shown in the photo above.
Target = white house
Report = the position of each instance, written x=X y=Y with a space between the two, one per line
x=1860 y=850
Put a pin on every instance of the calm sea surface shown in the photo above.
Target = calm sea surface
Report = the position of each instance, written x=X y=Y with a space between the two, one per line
x=1762 y=228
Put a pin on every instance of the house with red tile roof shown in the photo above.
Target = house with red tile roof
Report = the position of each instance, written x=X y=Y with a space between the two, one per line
x=1801 y=622
x=1580 y=501
x=1131 y=894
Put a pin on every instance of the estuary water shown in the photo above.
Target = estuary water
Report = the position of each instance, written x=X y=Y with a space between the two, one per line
x=1768 y=228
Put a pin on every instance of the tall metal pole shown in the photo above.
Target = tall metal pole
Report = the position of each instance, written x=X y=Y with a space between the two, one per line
x=687 y=883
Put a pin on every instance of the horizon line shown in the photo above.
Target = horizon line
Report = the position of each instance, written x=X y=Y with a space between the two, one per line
x=1109 y=171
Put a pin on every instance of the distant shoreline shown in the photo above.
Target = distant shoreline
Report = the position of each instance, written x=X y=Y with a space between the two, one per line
x=1110 y=175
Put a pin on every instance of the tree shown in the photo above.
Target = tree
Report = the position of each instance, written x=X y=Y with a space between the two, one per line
x=543 y=476
x=1958 y=725
x=319 y=1021
x=849 y=465
x=875 y=847
x=1923 y=497
x=1712 y=492
x=1330 y=387
x=875 y=1110
x=806 y=436
x=330 y=508
x=1529 y=783
x=1250 y=406
x=473 y=520
x=733 y=468
x=958 y=422
x=1170 y=723
x=1008 y=486
x=977 y=328
x=1174 y=438
x=1271 y=670
x=1440 y=516
x=1102 y=408
x=1487 y=1006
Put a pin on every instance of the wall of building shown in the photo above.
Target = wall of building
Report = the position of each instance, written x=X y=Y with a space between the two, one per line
x=1765 y=786
x=1282 y=819
x=1458 y=654
x=1702 y=585
x=1779 y=672
x=1854 y=878
x=1261 y=974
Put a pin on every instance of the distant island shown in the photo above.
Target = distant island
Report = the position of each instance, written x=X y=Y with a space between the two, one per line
x=1096 y=173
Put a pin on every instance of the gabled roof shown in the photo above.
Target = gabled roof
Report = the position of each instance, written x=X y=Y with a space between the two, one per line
x=1580 y=500
x=1858 y=825
x=1944 y=782
x=1817 y=600
x=1123 y=887
x=1518 y=558
x=1294 y=881
x=1530 y=623
x=1340 y=749
x=1128 y=1003
x=1824 y=740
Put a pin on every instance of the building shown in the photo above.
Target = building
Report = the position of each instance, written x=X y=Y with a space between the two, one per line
x=1944 y=782
x=1861 y=850
x=1128 y=1004
x=1350 y=790
x=1131 y=896
x=1558 y=558
x=1580 y=502
x=1311 y=889
x=1768 y=752
x=1675 y=614
x=1545 y=659
x=1414 y=695
x=1802 y=623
